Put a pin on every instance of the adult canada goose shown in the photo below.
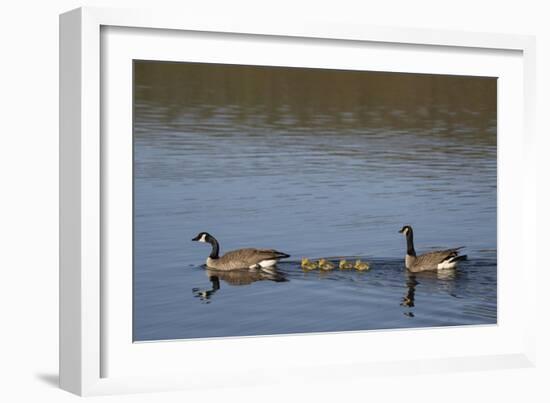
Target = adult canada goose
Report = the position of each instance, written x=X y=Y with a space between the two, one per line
x=248 y=258
x=436 y=260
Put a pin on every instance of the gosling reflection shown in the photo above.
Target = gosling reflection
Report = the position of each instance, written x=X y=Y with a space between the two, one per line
x=236 y=278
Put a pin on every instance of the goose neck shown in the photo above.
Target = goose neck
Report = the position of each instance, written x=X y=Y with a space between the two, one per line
x=410 y=244
x=215 y=248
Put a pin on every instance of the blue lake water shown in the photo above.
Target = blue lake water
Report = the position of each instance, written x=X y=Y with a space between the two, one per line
x=314 y=164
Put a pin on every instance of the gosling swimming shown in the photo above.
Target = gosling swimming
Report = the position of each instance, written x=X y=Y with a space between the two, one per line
x=361 y=266
x=436 y=260
x=345 y=265
x=325 y=265
x=247 y=258
x=308 y=264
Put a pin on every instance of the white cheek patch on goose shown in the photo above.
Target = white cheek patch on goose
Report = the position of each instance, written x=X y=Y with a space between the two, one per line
x=203 y=238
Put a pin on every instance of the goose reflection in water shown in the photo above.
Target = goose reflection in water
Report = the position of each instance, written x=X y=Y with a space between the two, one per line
x=408 y=299
x=236 y=278
x=441 y=279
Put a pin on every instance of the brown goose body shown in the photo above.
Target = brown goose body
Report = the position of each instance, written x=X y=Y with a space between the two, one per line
x=247 y=258
x=435 y=260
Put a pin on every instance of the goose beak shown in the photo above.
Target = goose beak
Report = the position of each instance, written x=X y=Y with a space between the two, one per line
x=196 y=238
x=400 y=231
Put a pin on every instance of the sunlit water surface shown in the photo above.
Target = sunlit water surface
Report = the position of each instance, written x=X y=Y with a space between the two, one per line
x=314 y=166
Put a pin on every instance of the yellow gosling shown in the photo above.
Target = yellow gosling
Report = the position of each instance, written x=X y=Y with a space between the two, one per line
x=345 y=265
x=308 y=265
x=361 y=266
x=324 y=264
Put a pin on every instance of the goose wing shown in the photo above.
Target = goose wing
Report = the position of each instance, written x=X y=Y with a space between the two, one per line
x=250 y=256
x=436 y=257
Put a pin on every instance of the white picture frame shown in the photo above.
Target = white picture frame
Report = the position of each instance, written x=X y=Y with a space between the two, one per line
x=96 y=356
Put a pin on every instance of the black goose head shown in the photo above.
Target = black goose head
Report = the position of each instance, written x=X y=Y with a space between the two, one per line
x=407 y=229
x=204 y=237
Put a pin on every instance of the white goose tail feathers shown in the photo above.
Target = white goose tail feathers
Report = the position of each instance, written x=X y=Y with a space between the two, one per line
x=451 y=262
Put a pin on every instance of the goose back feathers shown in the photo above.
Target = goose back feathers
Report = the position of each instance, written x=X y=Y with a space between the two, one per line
x=247 y=258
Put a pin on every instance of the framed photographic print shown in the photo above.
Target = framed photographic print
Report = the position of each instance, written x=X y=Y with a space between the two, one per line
x=279 y=198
